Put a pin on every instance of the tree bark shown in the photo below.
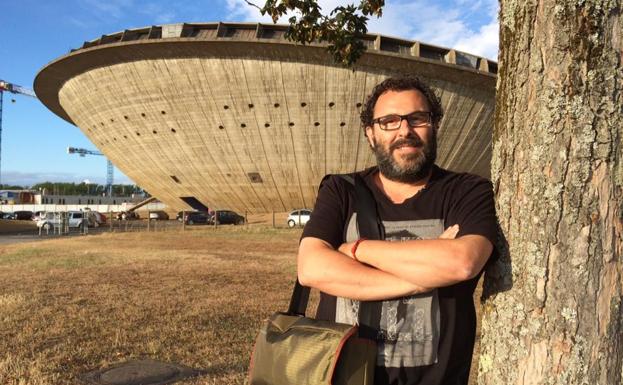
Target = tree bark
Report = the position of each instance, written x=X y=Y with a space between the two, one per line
x=553 y=311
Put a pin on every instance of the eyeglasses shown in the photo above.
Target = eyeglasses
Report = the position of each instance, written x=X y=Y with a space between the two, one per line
x=415 y=119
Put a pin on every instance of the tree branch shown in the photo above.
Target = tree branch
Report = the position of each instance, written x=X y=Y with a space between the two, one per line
x=252 y=4
x=343 y=29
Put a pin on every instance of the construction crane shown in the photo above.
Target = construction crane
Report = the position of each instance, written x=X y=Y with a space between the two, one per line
x=14 y=89
x=109 y=170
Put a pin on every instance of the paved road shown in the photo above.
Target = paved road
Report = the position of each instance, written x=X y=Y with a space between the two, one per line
x=21 y=236
x=33 y=236
x=17 y=238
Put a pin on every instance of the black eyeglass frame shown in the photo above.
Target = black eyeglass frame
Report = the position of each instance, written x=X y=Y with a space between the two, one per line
x=404 y=117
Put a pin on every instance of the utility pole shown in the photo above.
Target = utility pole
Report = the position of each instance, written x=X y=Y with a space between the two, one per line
x=14 y=89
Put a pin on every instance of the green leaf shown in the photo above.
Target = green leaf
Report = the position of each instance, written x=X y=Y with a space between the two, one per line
x=343 y=29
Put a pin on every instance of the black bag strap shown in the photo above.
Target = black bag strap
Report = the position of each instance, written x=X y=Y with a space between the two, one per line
x=370 y=226
x=368 y=220
x=299 y=299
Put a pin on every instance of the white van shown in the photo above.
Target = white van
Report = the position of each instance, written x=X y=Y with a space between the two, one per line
x=49 y=220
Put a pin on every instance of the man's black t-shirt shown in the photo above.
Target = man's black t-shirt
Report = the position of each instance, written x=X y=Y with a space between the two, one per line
x=425 y=339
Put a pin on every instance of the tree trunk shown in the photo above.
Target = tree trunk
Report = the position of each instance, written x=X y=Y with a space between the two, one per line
x=553 y=313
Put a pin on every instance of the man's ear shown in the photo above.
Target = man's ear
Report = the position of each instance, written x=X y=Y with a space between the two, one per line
x=369 y=135
x=436 y=128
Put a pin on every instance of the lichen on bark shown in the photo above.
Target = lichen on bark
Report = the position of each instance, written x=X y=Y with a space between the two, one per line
x=556 y=169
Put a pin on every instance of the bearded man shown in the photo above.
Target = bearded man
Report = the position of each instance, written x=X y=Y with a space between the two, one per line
x=424 y=275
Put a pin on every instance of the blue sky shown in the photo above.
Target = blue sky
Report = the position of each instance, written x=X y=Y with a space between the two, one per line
x=35 y=32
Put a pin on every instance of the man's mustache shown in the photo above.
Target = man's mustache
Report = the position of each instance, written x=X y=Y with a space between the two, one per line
x=413 y=141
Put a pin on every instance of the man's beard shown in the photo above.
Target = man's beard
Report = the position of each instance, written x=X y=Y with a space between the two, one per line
x=416 y=166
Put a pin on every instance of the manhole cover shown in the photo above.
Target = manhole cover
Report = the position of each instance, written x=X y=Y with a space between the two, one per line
x=139 y=372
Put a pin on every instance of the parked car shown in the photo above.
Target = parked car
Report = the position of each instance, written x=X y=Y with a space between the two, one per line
x=159 y=215
x=225 y=217
x=76 y=220
x=23 y=215
x=99 y=217
x=127 y=215
x=196 y=217
x=46 y=220
x=95 y=218
x=298 y=217
x=180 y=214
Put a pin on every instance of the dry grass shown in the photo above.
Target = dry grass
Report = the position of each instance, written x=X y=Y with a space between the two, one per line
x=68 y=306
x=196 y=298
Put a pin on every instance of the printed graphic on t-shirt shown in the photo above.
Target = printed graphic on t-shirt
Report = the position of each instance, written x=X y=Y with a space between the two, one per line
x=409 y=326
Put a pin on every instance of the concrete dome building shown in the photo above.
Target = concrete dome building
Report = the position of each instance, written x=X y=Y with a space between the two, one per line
x=233 y=116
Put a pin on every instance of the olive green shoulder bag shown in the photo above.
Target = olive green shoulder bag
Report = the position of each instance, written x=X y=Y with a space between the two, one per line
x=292 y=349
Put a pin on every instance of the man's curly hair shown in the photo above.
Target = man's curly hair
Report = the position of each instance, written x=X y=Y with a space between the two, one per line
x=401 y=84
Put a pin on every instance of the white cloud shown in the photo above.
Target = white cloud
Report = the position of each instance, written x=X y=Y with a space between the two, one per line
x=158 y=13
x=452 y=26
x=239 y=10
x=102 y=12
x=77 y=22
x=242 y=11
x=446 y=27
x=470 y=4
x=485 y=42
x=432 y=24
x=165 y=18
x=107 y=9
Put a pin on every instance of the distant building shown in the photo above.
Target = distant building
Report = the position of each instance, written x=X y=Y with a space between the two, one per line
x=234 y=116
x=30 y=197
x=41 y=199
x=58 y=203
x=17 y=197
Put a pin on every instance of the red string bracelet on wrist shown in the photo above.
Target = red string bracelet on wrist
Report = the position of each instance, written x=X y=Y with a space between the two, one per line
x=355 y=246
